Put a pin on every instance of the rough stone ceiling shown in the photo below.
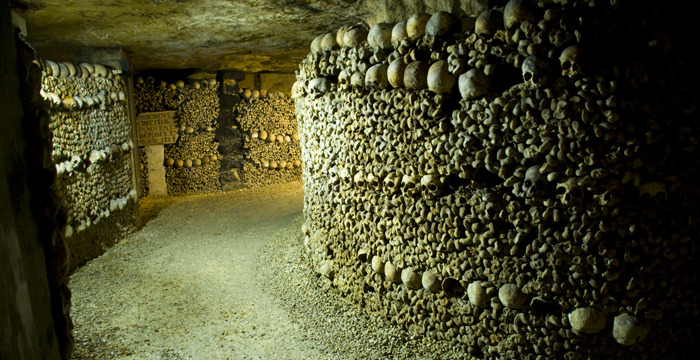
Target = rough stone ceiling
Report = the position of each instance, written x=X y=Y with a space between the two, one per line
x=248 y=35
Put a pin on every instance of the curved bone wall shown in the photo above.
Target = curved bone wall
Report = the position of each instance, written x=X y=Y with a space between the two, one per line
x=192 y=162
x=522 y=184
x=272 y=154
x=92 y=144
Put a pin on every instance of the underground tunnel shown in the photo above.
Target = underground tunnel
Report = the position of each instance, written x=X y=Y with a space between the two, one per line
x=357 y=179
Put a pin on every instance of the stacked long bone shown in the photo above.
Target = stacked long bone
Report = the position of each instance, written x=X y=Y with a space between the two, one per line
x=193 y=161
x=505 y=187
x=92 y=141
x=271 y=142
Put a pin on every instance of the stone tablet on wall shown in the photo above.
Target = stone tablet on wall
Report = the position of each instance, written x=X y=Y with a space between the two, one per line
x=155 y=128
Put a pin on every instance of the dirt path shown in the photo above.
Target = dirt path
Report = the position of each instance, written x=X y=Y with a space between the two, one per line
x=226 y=276
x=185 y=285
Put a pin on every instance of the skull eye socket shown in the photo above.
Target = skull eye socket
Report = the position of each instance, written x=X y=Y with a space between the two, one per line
x=539 y=185
x=528 y=183
x=566 y=65
x=577 y=193
x=527 y=76
x=561 y=190
x=432 y=188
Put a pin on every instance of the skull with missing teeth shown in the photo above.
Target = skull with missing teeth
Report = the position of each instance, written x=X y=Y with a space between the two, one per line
x=319 y=86
x=534 y=71
x=570 y=60
x=570 y=192
x=391 y=183
x=410 y=184
x=535 y=184
x=432 y=185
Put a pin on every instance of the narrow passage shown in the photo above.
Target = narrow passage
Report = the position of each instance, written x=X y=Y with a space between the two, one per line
x=223 y=276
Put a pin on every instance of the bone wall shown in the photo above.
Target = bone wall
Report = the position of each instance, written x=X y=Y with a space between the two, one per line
x=272 y=153
x=92 y=144
x=524 y=188
x=192 y=162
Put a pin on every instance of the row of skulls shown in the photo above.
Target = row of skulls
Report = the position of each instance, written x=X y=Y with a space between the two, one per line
x=562 y=190
x=91 y=141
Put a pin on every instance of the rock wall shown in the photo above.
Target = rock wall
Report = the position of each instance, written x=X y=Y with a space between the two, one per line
x=192 y=162
x=272 y=153
x=92 y=144
x=34 y=300
x=525 y=188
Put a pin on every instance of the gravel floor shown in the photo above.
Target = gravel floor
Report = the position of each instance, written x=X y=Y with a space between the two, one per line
x=225 y=276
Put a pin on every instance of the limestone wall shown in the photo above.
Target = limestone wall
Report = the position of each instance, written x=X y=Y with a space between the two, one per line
x=92 y=145
x=525 y=188
x=34 y=299
x=192 y=162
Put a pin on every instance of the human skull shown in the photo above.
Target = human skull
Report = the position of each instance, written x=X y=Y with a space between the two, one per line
x=360 y=179
x=415 y=25
x=344 y=79
x=392 y=183
x=328 y=42
x=570 y=192
x=489 y=22
x=534 y=71
x=357 y=79
x=319 y=86
x=535 y=184
x=372 y=181
x=440 y=80
x=587 y=320
x=355 y=35
x=410 y=184
x=340 y=35
x=518 y=11
x=473 y=84
x=628 y=329
x=441 y=24
x=379 y=36
x=432 y=186
x=377 y=76
x=298 y=89
x=612 y=194
x=415 y=76
x=316 y=44
x=398 y=34
x=346 y=175
x=570 y=60
x=395 y=72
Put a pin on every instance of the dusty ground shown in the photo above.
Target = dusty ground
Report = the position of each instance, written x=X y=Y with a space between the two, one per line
x=224 y=277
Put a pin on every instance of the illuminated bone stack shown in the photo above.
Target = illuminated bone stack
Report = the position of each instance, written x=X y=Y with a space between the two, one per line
x=92 y=152
x=271 y=144
x=192 y=162
x=519 y=183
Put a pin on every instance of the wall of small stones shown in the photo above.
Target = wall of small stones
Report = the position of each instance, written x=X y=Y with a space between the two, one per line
x=192 y=162
x=272 y=153
x=520 y=183
x=92 y=153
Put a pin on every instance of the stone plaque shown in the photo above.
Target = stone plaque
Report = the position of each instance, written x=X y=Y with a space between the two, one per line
x=156 y=128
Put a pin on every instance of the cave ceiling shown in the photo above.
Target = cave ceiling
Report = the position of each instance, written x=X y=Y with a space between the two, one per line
x=246 y=35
